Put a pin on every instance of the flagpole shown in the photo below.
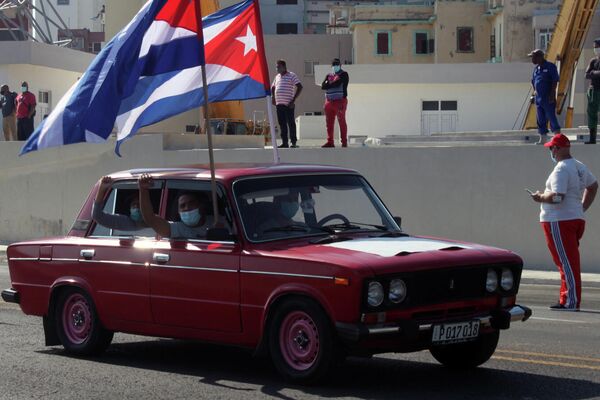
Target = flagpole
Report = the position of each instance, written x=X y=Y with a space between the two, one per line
x=276 y=158
x=211 y=158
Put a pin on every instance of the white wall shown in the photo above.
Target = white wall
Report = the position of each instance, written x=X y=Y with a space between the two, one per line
x=379 y=110
x=467 y=193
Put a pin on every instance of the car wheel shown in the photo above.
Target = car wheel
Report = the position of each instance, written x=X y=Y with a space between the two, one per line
x=301 y=341
x=77 y=324
x=467 y=355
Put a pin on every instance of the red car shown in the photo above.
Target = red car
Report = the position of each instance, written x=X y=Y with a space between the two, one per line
x=303 y=263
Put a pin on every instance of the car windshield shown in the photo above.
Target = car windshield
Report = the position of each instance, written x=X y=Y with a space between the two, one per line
x=293 y=206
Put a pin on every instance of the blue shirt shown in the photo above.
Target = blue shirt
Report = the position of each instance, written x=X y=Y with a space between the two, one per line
x=543 y=77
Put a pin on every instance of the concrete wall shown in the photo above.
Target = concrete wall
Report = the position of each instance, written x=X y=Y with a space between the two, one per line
x=467 y=193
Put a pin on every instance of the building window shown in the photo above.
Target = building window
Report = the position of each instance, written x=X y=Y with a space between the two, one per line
x=464 y=40
x=382 y=43
x=284 y=29
x=309 y=67
x=62 y=2
x=285 y=2
x=544 y=38
x=449 y=105
x=430 y=105
x=422 y=44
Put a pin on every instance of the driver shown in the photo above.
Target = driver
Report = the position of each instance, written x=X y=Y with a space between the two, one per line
x=285 y=207
x=192 y=211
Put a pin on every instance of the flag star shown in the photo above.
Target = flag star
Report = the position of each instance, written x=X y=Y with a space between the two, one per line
x=249 y=41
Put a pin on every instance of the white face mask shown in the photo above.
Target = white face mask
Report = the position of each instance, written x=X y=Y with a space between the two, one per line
x=597 y=51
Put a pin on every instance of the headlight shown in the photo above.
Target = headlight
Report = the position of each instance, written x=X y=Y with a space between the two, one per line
x=397 y=291
x=375 y=294
x=491 y=282
x=507 y=281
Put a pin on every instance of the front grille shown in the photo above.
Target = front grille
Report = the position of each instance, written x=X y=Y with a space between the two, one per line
x=446 y=285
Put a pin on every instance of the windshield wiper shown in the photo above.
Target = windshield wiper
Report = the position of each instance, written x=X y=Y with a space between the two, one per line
x=288 y=228
x=355 y=225
x=392 y=234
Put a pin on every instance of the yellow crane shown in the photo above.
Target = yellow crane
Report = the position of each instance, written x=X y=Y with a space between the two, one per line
x=570 y=31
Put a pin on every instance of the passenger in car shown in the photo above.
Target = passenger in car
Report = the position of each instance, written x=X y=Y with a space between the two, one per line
x=191 y=207
x=131 y=222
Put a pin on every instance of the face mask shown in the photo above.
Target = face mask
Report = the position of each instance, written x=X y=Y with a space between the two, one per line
x=553 y=158
x=336 y=69
x=289 y=208
x=23 y=89
x=597 y=51
x=135 y=214
x=190 y=218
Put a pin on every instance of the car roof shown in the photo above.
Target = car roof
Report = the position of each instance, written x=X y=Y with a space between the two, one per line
x=228 y=172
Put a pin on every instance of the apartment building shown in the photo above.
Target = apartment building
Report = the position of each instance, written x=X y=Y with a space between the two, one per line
x=446 y=31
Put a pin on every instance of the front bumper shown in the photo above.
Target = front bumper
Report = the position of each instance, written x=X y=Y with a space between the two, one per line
x=497 y=319
x=10 y=296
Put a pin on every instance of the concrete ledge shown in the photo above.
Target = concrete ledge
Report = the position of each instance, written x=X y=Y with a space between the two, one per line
x=176 y=141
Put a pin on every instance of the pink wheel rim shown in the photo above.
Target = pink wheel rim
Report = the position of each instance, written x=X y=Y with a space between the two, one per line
x=299 y=340
x=77 y=318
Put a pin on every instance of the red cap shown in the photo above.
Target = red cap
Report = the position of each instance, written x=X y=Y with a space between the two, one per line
x=558 y=140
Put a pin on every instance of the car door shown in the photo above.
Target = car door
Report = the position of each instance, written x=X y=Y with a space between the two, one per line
x=194 y=283
x=115 y=263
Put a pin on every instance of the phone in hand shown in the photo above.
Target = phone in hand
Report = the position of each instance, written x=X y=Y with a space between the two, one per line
x=529 y=191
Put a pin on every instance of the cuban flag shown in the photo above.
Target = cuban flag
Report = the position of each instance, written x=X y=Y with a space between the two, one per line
x=151 y=70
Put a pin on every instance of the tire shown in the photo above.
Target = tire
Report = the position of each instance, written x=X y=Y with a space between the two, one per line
x=467 y=355
x=77 y=324
x=301 y=341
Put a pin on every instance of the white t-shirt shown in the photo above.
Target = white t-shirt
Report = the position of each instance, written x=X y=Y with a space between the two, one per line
x=570 y=178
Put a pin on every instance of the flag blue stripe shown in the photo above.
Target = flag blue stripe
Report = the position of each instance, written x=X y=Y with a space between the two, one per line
x=172 y=56
x=226 y=13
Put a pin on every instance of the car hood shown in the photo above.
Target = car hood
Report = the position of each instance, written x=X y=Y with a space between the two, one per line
x=390 y=255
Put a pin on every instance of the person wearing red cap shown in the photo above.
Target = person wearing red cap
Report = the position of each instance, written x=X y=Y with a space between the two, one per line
x=570 y=191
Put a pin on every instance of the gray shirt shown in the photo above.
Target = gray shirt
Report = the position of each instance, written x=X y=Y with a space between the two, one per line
x=179 y=230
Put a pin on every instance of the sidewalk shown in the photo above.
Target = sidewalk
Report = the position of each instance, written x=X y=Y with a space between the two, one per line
x=528 y=275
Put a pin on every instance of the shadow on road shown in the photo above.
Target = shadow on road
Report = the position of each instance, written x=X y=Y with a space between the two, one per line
x=376 y=378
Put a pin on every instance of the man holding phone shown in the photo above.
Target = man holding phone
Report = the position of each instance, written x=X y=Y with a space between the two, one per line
x=570 y=191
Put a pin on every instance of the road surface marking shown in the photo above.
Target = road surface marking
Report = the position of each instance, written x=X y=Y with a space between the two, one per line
x=562 y=320
x=552 y=363
x=534 y=354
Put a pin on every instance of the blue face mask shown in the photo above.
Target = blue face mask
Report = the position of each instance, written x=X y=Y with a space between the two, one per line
x=190 y=218
x=336 y=69
x=289 y=208
x=553 y=158
x=23 y=89
x=135 y=214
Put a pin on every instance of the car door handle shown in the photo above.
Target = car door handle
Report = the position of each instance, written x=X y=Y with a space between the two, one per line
x=87 y=254
x=160 y=258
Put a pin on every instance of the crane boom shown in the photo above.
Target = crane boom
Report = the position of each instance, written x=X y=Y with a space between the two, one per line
x=571 y=28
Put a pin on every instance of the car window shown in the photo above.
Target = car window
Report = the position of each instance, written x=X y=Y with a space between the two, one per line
x=199 y=191
x=116 y=219
x=284 y=207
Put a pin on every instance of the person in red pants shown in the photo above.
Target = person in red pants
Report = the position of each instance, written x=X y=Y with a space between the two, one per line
x=570 y=191
x=336 y=101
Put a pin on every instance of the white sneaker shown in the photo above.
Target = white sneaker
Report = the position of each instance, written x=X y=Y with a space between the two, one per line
x=543 y=139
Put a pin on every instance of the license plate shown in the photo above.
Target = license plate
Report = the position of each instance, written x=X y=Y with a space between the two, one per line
x=458 y=332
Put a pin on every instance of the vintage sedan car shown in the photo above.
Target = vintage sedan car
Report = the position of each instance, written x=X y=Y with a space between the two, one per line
x=305 y=264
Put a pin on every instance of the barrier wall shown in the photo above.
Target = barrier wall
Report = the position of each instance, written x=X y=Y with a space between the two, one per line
x=473 y=193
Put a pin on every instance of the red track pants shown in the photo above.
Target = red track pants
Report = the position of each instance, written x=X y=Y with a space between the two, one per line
x=333 y=109
x=563 y=238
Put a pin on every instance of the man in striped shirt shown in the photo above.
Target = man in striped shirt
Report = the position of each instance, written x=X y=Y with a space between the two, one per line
x=285 y=90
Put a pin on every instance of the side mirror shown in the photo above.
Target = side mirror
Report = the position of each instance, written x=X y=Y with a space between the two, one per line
x=398 y=220
x=219 y=235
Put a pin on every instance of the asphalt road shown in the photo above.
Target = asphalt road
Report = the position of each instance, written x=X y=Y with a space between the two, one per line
x=555 y=355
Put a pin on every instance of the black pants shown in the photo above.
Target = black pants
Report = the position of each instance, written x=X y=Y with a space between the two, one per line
x=285 y=117
x=24 y=128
